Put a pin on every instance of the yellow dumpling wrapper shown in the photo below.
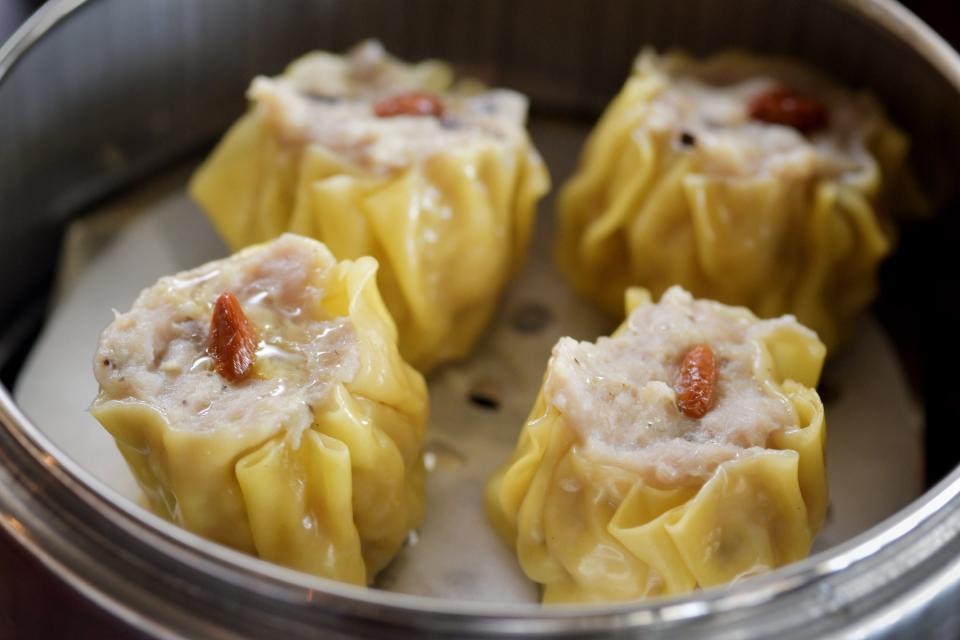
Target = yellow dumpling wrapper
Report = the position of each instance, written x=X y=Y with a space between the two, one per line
x=590 y=529
x=318 y=470
x=446 y=205
x=678 y=185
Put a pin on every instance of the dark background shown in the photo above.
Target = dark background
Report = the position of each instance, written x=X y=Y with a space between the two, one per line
x=34 y=604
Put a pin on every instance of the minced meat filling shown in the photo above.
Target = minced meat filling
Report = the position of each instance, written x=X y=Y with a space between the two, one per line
x=713 y=122
x=619 y=393
x=330 y=101
x=158 y=351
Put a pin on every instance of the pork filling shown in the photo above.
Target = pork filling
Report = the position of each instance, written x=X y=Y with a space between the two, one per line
x=160 y=351
x=730 y=125
x=627 y=396
x=338 y=103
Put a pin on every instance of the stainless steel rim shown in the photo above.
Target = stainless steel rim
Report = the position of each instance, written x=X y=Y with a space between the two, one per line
x=168 y=583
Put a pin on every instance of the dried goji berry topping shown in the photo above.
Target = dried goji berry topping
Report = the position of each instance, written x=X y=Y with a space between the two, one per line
x=233 y=339
x=414 y=103
x=696 y=382
x=785 y=106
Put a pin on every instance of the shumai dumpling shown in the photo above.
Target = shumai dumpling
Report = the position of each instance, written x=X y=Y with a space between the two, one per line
x=261 y=402
x=685 y=451
x=750 y=181
x=377 y=157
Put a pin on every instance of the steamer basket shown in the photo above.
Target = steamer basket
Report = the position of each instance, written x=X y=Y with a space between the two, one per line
x=97 y=96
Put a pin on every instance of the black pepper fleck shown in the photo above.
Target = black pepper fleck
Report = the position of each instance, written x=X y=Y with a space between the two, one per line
x=687 y=139
x=319 y=97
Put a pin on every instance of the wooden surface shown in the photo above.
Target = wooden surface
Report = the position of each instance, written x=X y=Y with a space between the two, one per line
x=35 y=604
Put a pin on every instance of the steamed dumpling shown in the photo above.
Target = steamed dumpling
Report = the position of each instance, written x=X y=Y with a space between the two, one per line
x=374 y=156
x=261 y=402
x=751 y=181
x=685 y=451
